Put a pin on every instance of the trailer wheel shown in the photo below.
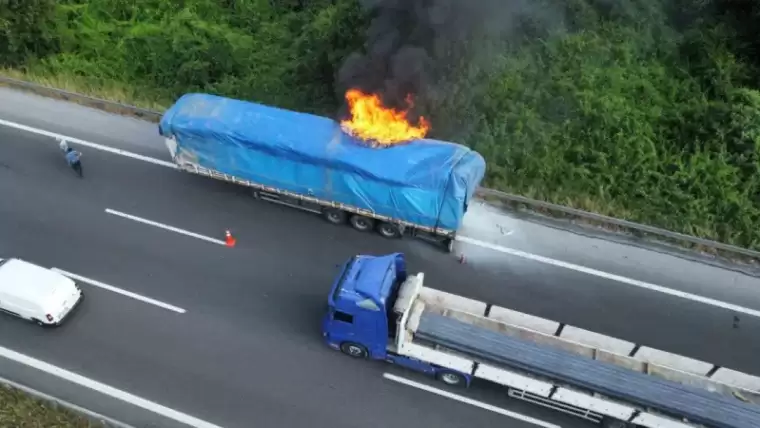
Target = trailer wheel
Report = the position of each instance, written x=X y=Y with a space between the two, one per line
x=388 y=230
x=353 y=350
x=334 y=216
x=361 y=223
x=451 y=378
x=448 y=245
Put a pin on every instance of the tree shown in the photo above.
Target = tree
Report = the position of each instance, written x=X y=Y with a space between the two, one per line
x=26 y=30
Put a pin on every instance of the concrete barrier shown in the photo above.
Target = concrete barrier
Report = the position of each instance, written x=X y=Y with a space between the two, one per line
x=738 y=379
x=520 y=319
x=597 y=340
x=685 y=378
x=621 y=360
x=445 y=300
x=674 y=361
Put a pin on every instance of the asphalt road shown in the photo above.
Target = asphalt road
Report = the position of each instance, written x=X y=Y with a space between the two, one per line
x=248 y=349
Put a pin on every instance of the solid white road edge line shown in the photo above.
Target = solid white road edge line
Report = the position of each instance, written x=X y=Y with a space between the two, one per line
x=88 y=144
x=470 y=401
x=465 y=239
x=613 y=277
x=164 y=226
x=105 y=389
x=42 y=396
x=120 y=291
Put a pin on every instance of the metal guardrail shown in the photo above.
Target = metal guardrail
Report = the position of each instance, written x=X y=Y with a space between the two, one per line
x=101 y=104
x=642 y=229
x=508 y=201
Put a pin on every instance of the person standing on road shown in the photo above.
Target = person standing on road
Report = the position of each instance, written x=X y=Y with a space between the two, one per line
x=72 y=157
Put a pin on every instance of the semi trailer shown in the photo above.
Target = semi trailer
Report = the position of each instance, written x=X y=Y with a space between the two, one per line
x=376 y=310
x=420 y=187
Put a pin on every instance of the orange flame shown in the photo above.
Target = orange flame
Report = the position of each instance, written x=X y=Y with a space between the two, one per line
x=371 y=121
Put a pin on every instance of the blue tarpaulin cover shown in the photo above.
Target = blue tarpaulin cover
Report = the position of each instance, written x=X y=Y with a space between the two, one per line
x=425 y=182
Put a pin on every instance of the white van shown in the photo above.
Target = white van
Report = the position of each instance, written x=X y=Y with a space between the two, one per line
x=36 y=293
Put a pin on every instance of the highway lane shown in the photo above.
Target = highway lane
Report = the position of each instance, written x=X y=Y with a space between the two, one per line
x=276 y=234
x=141 y=137
x=629 y=261
x=278 y=239
x=248 y=349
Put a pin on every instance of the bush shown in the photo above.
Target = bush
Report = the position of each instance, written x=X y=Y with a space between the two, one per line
x=641 y=109
x=26 y=30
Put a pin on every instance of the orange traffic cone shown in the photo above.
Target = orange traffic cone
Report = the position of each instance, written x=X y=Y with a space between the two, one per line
x=229 y=240
x=462 y=259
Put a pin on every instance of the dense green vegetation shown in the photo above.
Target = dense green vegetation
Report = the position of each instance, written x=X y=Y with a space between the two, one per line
x=19 y=410
x=643 y=109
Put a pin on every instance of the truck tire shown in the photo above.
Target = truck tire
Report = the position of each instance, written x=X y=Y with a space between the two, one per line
x=388 y=230
x=448 y=245
x=451 y=378
x=334 y=216
x=353 y=350
x=361 y=223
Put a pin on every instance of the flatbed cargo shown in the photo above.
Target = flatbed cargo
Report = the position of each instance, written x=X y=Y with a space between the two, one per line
x=378 y=311
x=309 y=162
x=696 y=404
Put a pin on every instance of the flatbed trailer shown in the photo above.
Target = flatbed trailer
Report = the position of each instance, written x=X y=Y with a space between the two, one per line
x=591 y=376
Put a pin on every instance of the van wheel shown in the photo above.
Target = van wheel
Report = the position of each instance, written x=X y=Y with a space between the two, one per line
x=334 y=216
x=361 y=223
x=38 y=322
x=354 y=350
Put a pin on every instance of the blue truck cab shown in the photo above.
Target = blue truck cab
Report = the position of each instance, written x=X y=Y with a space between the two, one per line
x=361 y=321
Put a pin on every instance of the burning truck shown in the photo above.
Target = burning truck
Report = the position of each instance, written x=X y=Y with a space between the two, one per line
x=374 y=170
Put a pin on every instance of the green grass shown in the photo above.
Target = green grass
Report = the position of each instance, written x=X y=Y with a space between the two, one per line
x=110 y=91
x=20 y=410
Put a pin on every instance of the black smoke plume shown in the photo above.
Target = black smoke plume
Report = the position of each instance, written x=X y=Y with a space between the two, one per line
x=434 y=50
